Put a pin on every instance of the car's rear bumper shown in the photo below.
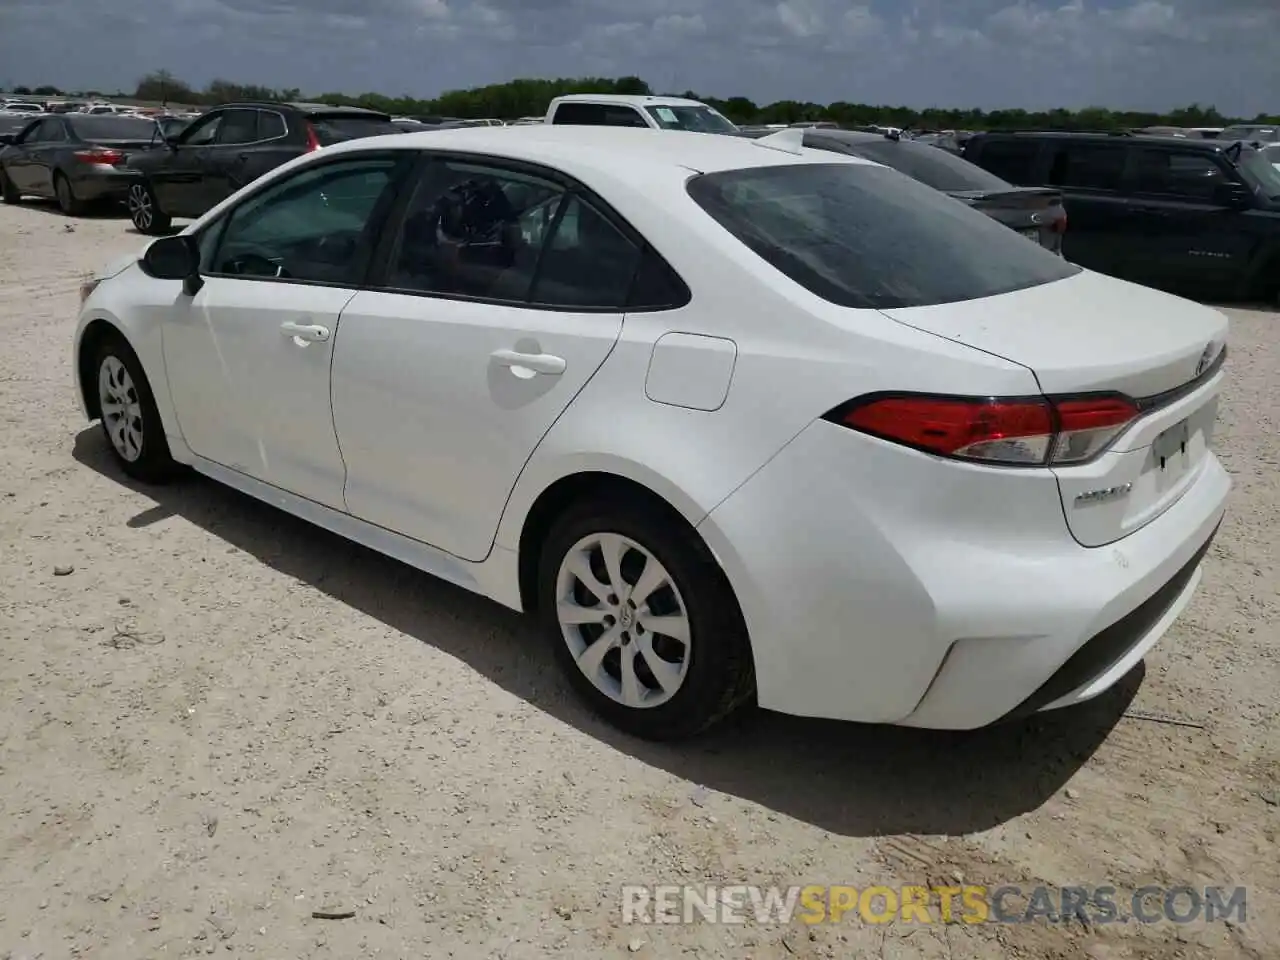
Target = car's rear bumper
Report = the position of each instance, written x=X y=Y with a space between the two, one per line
x=100 y=181
x=883 y=585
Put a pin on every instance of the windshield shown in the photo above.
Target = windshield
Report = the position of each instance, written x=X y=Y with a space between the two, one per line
x=1251 y=132
x=699 y=119
x=1263 y=166
x=864 y=236
x=113 y=128
x=930 y=165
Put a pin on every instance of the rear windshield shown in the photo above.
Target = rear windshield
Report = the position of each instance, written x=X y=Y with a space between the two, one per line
x=864 y=236
x=112 y=128
x=699 y=119
x=333 y=129
x=931 y=165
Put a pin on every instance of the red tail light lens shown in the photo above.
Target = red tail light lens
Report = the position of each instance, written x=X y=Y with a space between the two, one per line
x=1060 y=225
x=1011 y=432
x=313 y=140
x=99 y=155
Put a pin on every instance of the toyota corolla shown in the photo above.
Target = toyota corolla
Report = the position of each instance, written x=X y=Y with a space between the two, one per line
x=737 y=420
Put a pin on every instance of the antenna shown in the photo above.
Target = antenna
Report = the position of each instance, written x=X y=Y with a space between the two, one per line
x=788 y=140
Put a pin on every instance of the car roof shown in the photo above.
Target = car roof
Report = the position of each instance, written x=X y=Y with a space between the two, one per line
x=629 y=99
x=585 y=148
x=329 y=108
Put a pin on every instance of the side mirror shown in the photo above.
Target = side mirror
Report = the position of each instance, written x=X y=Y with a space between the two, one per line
x=1233 y=195
x=175 y=258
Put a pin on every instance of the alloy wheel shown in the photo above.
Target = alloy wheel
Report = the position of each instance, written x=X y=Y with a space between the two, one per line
x=140 y=207
x=624 y=620
x=121 y=408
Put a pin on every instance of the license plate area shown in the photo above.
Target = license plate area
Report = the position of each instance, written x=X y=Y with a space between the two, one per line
x=1169 y=450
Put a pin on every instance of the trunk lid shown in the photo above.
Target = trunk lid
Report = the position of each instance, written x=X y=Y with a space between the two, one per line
x=1092 y=333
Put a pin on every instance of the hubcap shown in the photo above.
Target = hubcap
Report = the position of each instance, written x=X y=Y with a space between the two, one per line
x=121 y=409
x=623 y=619
x=140 y=207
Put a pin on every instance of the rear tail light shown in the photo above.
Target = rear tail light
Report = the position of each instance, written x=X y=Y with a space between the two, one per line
x=313 y=140
x=1030 y=432
x=1060 y=225
x=99 y=155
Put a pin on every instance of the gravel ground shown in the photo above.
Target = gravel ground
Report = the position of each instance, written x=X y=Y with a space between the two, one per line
x=223 y=719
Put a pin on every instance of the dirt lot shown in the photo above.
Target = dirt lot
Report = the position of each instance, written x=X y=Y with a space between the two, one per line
x=223 y=719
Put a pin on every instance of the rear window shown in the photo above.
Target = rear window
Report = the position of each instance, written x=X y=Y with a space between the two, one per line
x=932 y=166
x=334 y=129
x=864 y=236
x=112 y=128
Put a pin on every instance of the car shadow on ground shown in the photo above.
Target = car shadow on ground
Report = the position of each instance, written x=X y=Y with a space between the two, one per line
x=94 y=211
x=849 y=779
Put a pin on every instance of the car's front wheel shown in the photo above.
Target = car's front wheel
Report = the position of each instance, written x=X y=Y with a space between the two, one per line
x=144 y=211
x=130 y=420
x=643 y=620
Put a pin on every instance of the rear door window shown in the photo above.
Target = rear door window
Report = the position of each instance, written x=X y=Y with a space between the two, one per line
x=1087 y=166
x=858 y=235
x=271 y=125
x=1011 y=160
x=238 y=126
x=598 y=115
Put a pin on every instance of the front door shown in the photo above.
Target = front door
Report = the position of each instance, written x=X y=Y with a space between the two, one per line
x=1183 y=236
x=248 y=357
x=448 y=376
x=179 y=182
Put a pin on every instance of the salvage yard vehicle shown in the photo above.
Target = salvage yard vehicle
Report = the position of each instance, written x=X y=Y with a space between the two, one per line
x=1197 y=216
x=740 y=421
x=73 y=158
x=626 y=110
x=232 y=145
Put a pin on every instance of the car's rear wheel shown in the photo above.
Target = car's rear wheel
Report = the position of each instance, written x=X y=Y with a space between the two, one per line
x=7 y=188
x=144 y=211
x=130 y=420
x=643 y=620
x=68 y=202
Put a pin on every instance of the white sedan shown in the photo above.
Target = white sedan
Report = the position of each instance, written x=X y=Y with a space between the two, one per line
x=739 y=421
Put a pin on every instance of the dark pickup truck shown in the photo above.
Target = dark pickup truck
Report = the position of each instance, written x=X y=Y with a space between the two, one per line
x=1196 y=216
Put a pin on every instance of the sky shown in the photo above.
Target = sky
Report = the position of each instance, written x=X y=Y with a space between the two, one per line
x=1123 y=54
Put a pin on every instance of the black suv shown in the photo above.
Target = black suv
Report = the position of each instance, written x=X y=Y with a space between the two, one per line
x=1176 y=213
x=232 y=145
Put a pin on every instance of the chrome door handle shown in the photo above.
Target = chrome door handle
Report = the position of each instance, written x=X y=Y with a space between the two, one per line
x=531 y=362
x=313 y=333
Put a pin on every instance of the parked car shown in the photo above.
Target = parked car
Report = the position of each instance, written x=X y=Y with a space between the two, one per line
x=76 y=159
x=1035 y=212
x=230 y=146
x=21 y=106
x=859 y=452
x=1199 y=216
x=1252 y=132
x=619 y=110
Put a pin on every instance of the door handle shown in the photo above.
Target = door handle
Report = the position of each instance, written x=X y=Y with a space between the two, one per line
x=312 y=333
x=532 y=362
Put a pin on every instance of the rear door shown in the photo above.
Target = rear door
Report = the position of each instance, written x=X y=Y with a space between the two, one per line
x=502 y=295
x=1090 y=174
x=1182 y=236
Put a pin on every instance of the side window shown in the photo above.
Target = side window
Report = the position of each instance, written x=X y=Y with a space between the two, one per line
x=587 y=262
x=202 y=132
x=473 y=230
x=623 y=117
x=579 y=114
x=47 y=131
x=1012 y=160
x=238 y=126
x=318 y=226
x=271 y=125
x=1189 y=176
x=656 y=286
x=1087 y=166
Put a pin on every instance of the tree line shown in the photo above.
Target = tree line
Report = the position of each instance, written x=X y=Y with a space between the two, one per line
x=529 y=97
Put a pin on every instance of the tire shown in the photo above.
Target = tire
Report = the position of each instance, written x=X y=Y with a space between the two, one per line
x=135 y=436
x=8 y=190
x=703 y=680
x=68 y=202
x=145 y=212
